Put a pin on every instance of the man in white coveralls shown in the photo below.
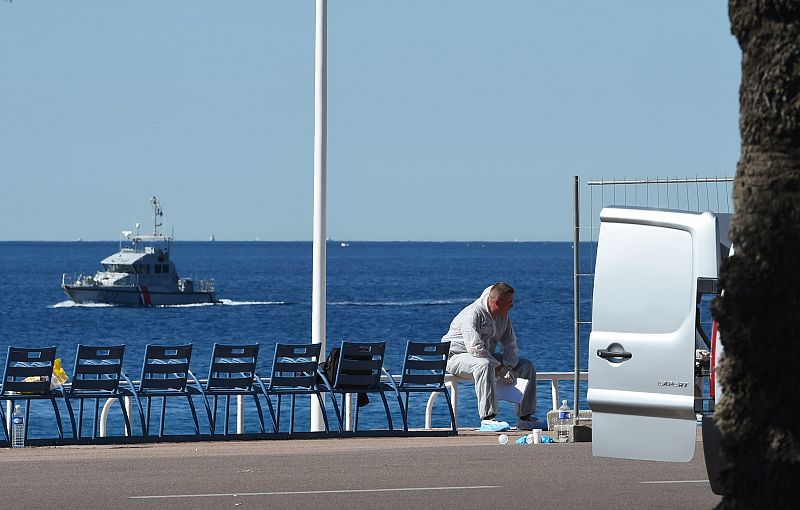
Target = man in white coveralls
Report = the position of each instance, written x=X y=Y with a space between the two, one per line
x=474 y=336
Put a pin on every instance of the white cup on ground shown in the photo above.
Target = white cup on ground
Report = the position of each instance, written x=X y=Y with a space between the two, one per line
x=537 y=436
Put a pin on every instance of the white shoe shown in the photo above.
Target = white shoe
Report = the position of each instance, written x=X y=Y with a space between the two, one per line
x=533 y=423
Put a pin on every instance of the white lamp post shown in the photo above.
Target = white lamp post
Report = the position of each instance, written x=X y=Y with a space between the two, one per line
x=318 y=294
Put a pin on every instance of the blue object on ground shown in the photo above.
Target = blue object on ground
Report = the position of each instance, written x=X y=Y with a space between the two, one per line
x=547 y=439
x=493 y=426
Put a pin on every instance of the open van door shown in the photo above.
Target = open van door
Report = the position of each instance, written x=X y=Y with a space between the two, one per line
x=641 y=348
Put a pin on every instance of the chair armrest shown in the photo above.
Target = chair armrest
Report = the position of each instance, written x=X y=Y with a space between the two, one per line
x=130 y=384
x=260 y=384
x=198 y=387
x=391 y=381
x=325 y=381
x=135 y=395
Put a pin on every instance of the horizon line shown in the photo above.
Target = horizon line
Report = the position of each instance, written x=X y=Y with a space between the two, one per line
x=290 y=241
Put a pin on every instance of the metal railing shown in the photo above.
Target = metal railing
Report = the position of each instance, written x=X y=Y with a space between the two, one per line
x=452 y=382
x=204 y=285
x=132 y=280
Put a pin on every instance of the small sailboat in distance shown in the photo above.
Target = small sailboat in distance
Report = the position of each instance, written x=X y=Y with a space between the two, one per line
x=212 y=238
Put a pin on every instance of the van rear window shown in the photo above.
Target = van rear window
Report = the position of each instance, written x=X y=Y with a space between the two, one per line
x=643 y=281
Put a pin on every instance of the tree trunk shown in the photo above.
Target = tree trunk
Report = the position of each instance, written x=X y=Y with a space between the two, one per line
x=759 y=313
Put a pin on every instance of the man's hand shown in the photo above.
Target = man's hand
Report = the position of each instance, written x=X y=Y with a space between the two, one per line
x=504 y=375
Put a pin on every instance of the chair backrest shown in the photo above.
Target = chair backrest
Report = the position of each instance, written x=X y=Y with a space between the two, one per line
x=166 y=367
x=97 y=368
x=425 y=364
x=232 y=367
x=360 y=364
x=28 y=370
x=295 y=366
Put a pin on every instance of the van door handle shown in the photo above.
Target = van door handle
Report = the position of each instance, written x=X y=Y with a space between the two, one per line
x=606 y=354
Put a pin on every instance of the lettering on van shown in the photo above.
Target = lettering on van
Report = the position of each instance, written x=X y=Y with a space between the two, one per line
x=673 y=384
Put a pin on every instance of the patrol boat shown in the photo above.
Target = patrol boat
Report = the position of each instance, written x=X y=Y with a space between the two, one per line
x=139 y=274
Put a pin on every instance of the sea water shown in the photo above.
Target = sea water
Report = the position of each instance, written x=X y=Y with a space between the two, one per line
x=376 y=291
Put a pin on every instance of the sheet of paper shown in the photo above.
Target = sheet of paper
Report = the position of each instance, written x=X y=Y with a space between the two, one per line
x=511 y=392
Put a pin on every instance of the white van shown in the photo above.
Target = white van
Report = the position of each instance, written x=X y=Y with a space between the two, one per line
x=652 y=268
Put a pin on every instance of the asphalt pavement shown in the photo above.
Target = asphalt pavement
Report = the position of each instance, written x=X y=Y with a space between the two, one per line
x=471 y=470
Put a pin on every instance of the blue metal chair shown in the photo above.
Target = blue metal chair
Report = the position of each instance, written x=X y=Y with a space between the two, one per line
x=27 y=377
x=233 y=372
x=165 y=374
x=424 y=368
x=359 y=370
x=295 y=372
x=97 y=375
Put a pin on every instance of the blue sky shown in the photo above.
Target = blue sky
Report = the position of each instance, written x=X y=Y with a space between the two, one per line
x=447 y=120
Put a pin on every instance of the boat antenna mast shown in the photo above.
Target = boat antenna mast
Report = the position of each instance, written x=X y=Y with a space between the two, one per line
x=158 y=215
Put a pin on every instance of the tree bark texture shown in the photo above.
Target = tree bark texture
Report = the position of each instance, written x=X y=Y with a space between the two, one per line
x=759 y=313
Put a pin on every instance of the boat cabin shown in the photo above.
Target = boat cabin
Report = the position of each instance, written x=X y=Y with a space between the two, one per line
x=141 y=264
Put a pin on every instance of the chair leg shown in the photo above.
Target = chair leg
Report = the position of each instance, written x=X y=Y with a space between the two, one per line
x=163 y=418
x=27 y=420
x=278 y=414
x=71 y=416
x=80 y=418
x=145 y=430
x=55 y=411
x=125 y=416
x=403 y=415
x=388 y=413
x=58 y=418
x=260 y=413
x=96 y=418
x=291 y=415
x=271 y=413
x=134 y=395
x=216 y=408
x=227 y=413
x=324 y=412
x=452 y=413
x=355 y=428
x=212 y=418
x=194 y=415
x=147 y=420
x=336 y=412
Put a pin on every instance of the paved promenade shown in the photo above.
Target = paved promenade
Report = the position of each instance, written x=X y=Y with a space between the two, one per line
x=468 y=471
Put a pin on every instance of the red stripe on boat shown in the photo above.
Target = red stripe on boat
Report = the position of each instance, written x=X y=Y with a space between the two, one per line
x=146 y=296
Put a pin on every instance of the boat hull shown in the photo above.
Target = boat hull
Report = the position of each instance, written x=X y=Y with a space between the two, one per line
x=135 y=296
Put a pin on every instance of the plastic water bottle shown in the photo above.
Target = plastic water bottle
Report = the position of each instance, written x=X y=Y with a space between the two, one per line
x=17 y=428
x=563 y=423
x=502 y=439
